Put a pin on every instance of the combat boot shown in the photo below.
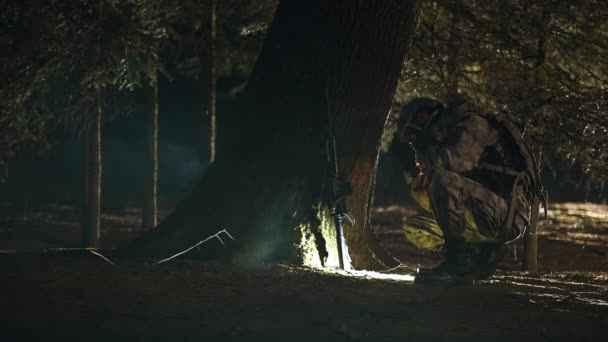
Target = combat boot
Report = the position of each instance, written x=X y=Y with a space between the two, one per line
x=456 y=270
x=486 y=257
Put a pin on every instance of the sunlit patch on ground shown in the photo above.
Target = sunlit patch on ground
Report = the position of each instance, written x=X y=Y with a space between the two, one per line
x=358 y=274
x=371 y=274
x=552 y=289
x=384 y=276
x=584 y=224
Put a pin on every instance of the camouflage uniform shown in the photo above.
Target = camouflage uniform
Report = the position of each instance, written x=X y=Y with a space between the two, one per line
x=463 y=194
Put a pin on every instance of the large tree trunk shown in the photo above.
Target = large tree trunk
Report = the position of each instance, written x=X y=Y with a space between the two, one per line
x=263 y=186
x=150 y=207
x=91 y=209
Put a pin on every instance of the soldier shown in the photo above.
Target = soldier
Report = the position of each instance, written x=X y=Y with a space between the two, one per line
x=478 y=199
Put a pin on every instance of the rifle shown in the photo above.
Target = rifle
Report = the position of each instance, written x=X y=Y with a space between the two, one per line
x=337 y=190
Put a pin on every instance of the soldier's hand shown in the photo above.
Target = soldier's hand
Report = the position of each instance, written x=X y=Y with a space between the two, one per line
x=418 y=182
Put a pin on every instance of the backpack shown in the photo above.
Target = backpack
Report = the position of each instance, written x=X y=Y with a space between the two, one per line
x=522 y=165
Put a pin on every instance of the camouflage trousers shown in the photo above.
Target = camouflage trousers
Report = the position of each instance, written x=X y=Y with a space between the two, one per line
x=459 y=204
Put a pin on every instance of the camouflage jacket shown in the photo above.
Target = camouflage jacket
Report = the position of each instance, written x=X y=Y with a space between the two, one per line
x=464 y=141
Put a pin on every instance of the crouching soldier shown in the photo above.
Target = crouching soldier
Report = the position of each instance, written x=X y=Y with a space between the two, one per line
x=477 y=177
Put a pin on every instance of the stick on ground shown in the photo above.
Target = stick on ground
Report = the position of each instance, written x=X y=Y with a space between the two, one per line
x=216 y=235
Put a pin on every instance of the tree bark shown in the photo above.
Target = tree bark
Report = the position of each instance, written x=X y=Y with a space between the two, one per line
x=208 y=77
x=345 y=55
x=453 y=76
x=150 y=207
x=92 y=184
x=530 y=258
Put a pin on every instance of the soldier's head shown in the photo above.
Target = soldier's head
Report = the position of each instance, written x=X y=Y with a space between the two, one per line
x=416 y=118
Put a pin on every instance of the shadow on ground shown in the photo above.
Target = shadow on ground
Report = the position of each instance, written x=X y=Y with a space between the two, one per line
x=54 y=297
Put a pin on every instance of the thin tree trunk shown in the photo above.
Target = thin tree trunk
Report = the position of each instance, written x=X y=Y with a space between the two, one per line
x=453 y=77
x=92 y=186
x=150 y=207
x=213 y=91
x=86 y=184
x=269 y=181
x=207 y=77
x=530 y=258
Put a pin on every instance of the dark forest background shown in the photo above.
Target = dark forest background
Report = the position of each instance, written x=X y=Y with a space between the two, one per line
x=541 y=61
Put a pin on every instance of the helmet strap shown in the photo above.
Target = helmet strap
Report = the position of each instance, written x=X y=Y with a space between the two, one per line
x=428 y=122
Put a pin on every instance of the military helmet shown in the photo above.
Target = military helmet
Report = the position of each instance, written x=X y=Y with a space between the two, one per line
x=417 y=115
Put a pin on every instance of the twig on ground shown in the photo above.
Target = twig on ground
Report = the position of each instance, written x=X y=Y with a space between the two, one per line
x=395 y=268
x=216 y=235
x=101 y=256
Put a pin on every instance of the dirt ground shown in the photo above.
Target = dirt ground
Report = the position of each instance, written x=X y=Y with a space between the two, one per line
x=52 y=297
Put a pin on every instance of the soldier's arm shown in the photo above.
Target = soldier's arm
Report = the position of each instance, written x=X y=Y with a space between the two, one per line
x=404 y=155
x=465 y=144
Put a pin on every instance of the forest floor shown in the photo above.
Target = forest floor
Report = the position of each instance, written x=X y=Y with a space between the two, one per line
x=50 y=296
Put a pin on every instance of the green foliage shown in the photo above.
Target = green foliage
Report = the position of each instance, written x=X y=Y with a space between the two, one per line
x=61 y=52
x=536 y=59
x=540 y=60
x=241 y=28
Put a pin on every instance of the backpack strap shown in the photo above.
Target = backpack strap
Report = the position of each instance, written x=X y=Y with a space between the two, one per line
x=514 y=203
x=505 y=126
x=530 y=174
x=500 y=169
